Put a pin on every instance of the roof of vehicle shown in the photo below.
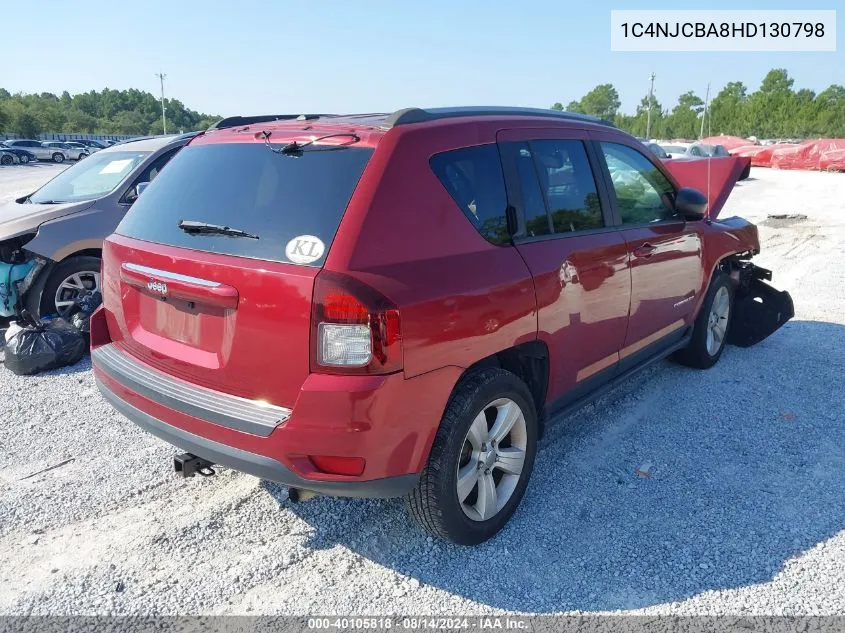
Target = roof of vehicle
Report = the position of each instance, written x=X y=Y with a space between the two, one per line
x=372 y=125
x=150 y=143
x=406 y=116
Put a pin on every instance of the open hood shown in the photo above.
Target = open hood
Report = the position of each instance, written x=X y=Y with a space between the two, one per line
x=715 y=177
x=19 y=218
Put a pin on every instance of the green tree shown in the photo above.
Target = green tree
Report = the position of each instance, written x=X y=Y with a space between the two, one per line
x=602 y=102
x=25 y=124
x=727 y=111
x=683 y=121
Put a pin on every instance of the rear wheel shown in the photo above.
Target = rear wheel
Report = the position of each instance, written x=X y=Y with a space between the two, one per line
x=710 y=331
x=58 y=158
x=70 y=280
x=481 y=459
x=24 y=159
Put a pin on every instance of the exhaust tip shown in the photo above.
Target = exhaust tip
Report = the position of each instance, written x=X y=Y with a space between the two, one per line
x=297 y=495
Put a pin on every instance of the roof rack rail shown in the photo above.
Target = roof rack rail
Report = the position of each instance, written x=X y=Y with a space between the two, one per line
x=235 y=121
x=419 y=115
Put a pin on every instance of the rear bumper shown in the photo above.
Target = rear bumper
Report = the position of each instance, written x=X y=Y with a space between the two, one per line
x=254 y=464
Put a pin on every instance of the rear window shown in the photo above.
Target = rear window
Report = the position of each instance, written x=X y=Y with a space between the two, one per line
x=292 y=204
x=473 y=177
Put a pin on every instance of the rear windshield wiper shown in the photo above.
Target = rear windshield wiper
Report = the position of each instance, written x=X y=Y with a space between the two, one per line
x=295 y=149
x=193 y=227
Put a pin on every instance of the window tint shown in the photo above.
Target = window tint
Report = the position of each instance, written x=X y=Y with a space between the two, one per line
x=537 y=221
x=567 y=181
x=248 y=187
x=643 y=194
x=473 y=177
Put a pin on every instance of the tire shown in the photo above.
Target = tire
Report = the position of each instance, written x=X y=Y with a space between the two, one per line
x=699 y=353
x=24 y=160
x=58 y=158
x=86 y=267
x=435 y=502
x=5 y=159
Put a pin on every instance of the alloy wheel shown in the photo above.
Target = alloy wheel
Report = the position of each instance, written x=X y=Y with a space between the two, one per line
x=75 y=287
x=492 y=459
x=717 y=322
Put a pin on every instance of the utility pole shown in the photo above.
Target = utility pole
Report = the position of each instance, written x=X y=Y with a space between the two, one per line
x=706 y=100
x=648 y=120
x=162 y=77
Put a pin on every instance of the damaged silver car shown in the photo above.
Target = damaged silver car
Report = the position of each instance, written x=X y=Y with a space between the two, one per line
x=51 y=240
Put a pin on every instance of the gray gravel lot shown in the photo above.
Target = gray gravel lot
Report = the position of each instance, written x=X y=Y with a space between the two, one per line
x=743 y=511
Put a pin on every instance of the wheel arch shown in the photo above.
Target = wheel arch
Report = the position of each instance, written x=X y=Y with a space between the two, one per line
x=529 y=362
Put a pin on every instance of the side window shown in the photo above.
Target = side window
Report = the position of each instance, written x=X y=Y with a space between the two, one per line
x=537 y=221
x=473 y=177
x=643 y=194
x=149 y=172
x=568 y=185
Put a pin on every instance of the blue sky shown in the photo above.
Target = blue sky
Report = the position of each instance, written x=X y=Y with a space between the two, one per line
x=259 y=56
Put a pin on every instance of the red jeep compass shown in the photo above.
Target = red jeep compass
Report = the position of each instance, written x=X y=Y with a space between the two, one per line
x=391 y=305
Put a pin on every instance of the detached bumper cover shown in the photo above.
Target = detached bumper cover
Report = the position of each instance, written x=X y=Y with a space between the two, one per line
x=257 y=465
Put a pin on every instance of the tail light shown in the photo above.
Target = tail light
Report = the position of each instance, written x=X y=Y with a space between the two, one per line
x=354 y=328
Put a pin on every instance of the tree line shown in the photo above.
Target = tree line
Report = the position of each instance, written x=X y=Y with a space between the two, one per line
x=117 y=112
x=774 y=110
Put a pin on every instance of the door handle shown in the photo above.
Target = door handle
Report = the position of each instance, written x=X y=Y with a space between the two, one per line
x=645 y=250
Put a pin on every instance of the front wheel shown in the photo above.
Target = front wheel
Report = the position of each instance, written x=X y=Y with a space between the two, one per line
x=5 y=159
x=58 y=158
x=481 y=459
x=710 y=332
x=69 y=281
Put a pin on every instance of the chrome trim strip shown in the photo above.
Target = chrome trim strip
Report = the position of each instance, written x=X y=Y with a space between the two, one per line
x=234 y=412
x=164 y=274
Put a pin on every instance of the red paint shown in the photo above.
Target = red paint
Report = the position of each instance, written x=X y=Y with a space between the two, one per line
x=450 y=299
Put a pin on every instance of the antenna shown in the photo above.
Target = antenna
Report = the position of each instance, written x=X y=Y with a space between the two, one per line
x=709 y=156
x=162 y=77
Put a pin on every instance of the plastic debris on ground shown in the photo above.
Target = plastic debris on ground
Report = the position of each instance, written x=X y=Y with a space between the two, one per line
x=31 y=346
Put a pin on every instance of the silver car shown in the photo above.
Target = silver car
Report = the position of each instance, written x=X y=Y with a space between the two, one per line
x=71 y=151
x=8 y=157
x=51 y=240
x=57 y=155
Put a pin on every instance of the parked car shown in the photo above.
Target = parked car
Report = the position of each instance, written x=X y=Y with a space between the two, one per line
x=8 y=157
x=71 y=151
x=51 y=240
x=42 y=151
x=24 y=155
x=92 y=145
x=657 y=149
x=693 y=150
x=391 y=305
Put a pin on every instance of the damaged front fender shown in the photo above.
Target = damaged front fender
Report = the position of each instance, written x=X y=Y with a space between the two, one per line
x=759 y=309
x=19 y=269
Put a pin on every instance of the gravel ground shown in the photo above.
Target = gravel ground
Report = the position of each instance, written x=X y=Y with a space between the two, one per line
x=742 y=511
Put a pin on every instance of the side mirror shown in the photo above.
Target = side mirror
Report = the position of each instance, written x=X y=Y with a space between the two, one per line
x=691 y=204
x=135 y=192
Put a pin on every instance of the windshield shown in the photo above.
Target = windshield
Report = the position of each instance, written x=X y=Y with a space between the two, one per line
x=93 y=178
x=290 y=205
x=674 y=149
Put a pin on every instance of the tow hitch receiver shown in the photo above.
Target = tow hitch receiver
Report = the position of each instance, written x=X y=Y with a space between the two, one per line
x=759 y=309
x=189 y=465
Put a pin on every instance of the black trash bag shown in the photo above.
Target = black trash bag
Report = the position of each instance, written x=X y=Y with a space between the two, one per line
x=80 y=312
x=41 y=346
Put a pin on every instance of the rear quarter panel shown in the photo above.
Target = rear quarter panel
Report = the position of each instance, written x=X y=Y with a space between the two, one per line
x=460 y=297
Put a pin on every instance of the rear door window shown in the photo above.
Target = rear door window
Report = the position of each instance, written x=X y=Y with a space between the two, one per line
x=473 y=177
x=293 y=204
